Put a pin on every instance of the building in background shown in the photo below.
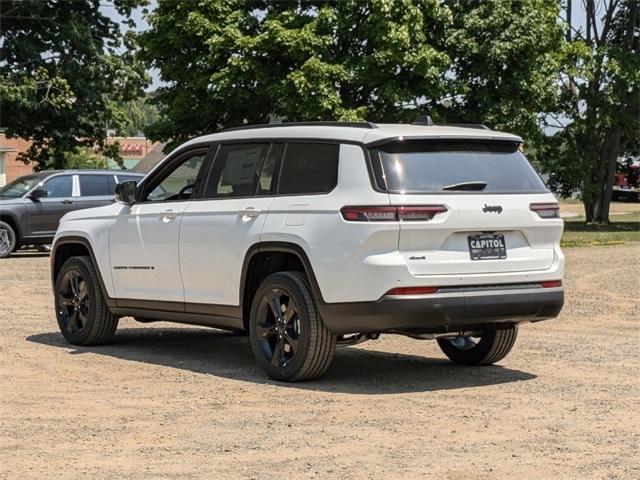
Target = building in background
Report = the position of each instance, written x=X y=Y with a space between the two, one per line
x=10 y=167
x=152 y=158
x=134 y=150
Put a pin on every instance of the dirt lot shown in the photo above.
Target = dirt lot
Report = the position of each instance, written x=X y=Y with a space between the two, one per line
x=172 y=402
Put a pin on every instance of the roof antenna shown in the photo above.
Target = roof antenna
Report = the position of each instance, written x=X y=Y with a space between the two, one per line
x=423 y=120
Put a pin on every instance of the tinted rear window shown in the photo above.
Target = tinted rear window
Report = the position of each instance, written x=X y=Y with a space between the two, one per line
x=309 y=168
x=96 y=185
x=429 y=166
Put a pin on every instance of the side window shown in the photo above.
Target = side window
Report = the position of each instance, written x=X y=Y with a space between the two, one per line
x=236 y=170
x=180 y=183
x=96 y=185
x=59 y=187
x=309 y=168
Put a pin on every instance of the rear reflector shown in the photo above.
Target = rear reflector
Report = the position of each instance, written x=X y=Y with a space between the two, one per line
x=419 y=213
x=405 y=213
x=546 y=210
x=551 y=284
x=412 y=290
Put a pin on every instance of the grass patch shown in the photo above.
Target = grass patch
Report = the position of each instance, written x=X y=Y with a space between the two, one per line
x=570 y=201
x=624 y=228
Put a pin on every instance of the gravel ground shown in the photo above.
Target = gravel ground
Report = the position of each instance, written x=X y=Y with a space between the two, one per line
x=167 y=401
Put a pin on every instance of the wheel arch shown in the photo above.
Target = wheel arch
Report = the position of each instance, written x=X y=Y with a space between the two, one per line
x=265 y=258
x=73 y=246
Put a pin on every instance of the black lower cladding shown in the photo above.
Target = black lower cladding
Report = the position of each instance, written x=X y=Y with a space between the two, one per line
x=443 y=312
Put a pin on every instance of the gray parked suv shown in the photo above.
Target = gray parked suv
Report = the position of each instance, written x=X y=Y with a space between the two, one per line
x=31 y=206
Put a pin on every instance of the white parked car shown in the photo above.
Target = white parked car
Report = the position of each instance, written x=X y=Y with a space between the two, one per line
x=311 y=234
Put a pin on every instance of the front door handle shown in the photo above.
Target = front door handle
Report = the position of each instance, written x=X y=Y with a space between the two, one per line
x=66 y=202
x=168 y=215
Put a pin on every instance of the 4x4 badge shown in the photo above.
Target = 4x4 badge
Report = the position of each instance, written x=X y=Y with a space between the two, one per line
x=492 y=208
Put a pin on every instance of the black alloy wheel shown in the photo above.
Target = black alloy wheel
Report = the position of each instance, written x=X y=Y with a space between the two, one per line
x=289 y=340
x=491 y=346
x=82 y=314
x=278 y=330
x=73 y=302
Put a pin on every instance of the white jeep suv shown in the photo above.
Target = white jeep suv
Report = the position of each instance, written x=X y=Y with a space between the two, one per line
x=310 y=234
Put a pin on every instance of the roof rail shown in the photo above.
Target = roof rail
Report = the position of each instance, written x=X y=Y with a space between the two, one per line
x=319 y=123
x=465 y=125
x=423 y=120
x=428 y=122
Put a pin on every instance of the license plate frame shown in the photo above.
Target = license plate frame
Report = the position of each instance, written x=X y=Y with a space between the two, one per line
x=487 y=246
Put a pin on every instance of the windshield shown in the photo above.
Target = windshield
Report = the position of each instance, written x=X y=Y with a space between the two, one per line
x=455 y=167
x=20 y=186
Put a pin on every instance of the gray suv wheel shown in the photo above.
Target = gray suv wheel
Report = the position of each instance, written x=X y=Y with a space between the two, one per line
x=7 y=240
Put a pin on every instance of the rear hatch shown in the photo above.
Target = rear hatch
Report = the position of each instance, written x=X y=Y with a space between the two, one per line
x=498 y=216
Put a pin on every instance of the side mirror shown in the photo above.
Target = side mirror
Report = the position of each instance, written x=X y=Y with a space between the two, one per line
x=38 y=193
x=126 y=192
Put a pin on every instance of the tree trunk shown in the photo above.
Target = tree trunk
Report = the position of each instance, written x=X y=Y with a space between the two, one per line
x=597 y=203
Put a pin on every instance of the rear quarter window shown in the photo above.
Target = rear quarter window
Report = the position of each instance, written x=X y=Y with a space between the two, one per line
x=431 y=166
x=309 y=168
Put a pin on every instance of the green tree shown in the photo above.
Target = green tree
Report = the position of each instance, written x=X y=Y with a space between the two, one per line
x=137 y=114
x=598 y=115
x=63 y=76
x=228 y=63
x=85 y=158
x=234 y=62
x=505 y=62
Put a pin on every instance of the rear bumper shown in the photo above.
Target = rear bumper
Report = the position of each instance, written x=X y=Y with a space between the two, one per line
x=443 y=312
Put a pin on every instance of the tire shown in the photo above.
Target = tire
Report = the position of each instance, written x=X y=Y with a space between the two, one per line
x=492 y=347
x=8 y=240
x=299 y=347
x=83 y=316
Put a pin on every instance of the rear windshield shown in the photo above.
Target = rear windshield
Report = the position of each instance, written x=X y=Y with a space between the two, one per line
x=454 y=167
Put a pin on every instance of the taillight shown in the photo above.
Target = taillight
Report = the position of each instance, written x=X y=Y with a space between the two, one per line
x=405 y=213
x=370 y=214
x=551 y=284
x=546 y=210
x=419 y=213
x=412 y=290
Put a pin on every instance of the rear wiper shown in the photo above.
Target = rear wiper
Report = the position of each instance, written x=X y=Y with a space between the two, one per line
x=466 y=186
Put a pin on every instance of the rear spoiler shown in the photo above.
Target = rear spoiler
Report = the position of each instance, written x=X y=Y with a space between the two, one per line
x=404 y=138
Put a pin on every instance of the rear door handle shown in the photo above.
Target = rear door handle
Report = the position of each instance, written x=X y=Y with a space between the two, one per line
x=250 y=212
x=66 y=202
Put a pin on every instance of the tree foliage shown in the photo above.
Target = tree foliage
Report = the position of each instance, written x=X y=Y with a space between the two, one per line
x=85 y=158
x=504 y=63
x=137 y=115
x=234 y=62
x=63 y=76
x=597 y=116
